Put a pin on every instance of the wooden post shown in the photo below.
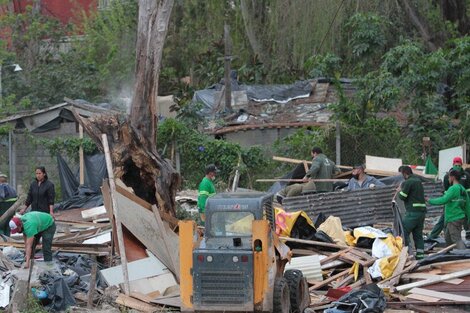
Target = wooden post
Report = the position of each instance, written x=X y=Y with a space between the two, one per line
x=338 y=143
x=228 y=58
x=91 y=289
x=80 y=153
x=112 y=185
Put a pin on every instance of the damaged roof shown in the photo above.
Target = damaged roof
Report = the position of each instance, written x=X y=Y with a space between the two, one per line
x=304 y=103
x=38 y=121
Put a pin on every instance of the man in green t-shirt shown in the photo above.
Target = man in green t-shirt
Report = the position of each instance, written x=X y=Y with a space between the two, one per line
x=412 y=194
x=206 y=190
x=35 y=225
x=454 y=199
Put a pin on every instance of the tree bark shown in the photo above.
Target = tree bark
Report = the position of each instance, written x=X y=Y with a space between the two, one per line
x=419 y=22
x=132 y=141
x=151 y=32
x=249 y=21
x=455 y=11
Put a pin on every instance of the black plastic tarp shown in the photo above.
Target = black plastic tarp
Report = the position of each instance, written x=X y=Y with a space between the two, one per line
x=260 y=93
x=87 y=195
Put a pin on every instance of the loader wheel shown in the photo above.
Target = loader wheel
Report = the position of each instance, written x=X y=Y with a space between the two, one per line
x=281 y=296
x=299 y=294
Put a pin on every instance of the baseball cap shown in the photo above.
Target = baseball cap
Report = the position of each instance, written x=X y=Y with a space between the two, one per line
x=211 y=168
x=15 y=224
x=457 y=159
x=3 y=175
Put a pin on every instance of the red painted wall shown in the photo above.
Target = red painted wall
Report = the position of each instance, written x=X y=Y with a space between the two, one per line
x=64 y=10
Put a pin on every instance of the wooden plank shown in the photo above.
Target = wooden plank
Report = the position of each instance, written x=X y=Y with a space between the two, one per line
x=399 y=268
x=333 y=256
x=297 y=161
x=140 y=296
x=117 y=217
x=106 y=192
x=422 y=298
x=171 y=243
x=143 y=225
x=93 y=212
x=132 y=303
x=434 y=280
x=367 y=277
x=438 y=294
x=330 y=279
x=165 y=216
x=448 y=248
x=300 y=180
x=319 y=243
x=454 y=281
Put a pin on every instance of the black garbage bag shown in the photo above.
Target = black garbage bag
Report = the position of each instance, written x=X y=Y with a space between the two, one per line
x=368 y=299
x=58 y=292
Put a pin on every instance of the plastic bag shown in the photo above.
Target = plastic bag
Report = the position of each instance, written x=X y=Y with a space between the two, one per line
x=368 y=299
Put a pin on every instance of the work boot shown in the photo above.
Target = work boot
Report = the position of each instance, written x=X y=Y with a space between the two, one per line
x=420 y=256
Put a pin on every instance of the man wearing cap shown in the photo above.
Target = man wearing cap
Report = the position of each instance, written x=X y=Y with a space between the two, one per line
x=361 y=180
x=454 y=199
x=206 y=190
x=322 y=168
x=464 y=181
x=412 y=194
x=35 y=225
x=7 y=193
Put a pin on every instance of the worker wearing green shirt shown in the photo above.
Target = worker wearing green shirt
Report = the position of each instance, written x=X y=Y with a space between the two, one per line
x=35 y=225
x=206 y=190
x=412 y=194
x=454 y=199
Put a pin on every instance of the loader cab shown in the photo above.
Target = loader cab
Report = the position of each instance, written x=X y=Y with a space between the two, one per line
x=231 y=215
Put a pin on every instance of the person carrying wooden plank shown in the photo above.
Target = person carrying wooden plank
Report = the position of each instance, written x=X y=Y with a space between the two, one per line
x=322 y=168
x=206 y=189
x=412 y=194
x=455 y=200
x=34 y=226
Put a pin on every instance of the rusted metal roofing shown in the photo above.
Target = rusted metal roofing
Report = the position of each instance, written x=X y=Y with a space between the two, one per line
x=357 y=207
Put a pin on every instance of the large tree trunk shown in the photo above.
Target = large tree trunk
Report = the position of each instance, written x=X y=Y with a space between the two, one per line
x=133 y=141
x=455 y=11
x=419 y=23
x=152 y=29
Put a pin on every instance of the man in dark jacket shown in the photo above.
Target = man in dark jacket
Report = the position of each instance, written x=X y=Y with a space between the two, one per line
x=464 y=181
x=412 y=194
x=322 y=168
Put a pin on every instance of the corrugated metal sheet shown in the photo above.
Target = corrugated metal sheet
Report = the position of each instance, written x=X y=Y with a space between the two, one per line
x=358 y=207
x=309 y=265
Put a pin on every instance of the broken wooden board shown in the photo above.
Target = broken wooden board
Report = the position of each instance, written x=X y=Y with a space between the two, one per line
x=93 y=212
x=142 y=223
x=173 y=301
x=438 y=294
x=99 y=239
x=133 y=303
x=433 y=280
x=147 y=267
x=422 y=298
x=455 y=281
x=158 y=283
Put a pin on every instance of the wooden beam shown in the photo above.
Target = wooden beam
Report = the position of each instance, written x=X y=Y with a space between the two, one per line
x=299 y=180
x=438 y=294
x=120 y=237
x=297 y=161
x=433 y=280
x=319 y=243
x=329 y=280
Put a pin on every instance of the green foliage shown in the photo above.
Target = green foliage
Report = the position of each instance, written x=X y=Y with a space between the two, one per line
x=33 y=306
x=328 y=65
x=67 y=145
x=197 y=150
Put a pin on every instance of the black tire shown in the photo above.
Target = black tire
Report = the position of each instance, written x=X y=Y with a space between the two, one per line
x=298 y=287
x=281 y=296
